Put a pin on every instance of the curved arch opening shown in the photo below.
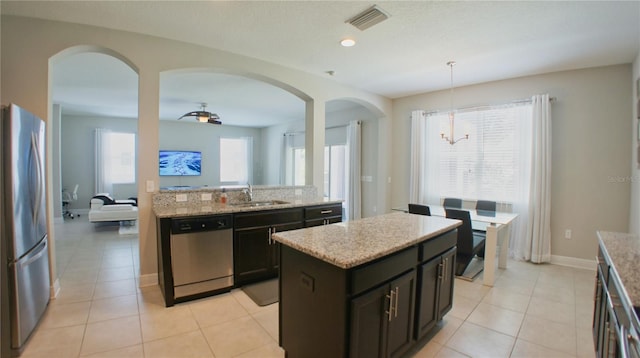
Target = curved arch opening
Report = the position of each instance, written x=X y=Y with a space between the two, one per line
x=90 y=88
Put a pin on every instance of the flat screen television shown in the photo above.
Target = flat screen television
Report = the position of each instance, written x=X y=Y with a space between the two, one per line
x=180 y=163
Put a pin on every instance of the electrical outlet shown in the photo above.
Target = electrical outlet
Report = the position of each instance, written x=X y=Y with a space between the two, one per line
x=181 y=198
x=567 y=234
x=151 y=187
x=205 y=197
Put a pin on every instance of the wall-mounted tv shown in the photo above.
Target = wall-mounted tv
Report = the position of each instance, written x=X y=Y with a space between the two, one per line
x=180 y=163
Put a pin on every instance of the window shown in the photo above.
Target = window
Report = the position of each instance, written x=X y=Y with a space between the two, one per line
x=235 y=159
x=298 y=166
x=119 y=150
x=335 y=171
x=488 y=165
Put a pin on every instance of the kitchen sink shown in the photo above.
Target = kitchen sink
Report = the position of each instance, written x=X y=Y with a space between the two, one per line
x=252 y=204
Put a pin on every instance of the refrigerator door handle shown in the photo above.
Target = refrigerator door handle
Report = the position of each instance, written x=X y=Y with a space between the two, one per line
x=38 y=253
x=36 y=154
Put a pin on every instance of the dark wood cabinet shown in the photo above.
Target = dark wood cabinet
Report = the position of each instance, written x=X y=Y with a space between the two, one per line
x=382 y=319
x=322 y=215
x=369 y=310
x=615 y=323
x=255 y=253
x=435 y=297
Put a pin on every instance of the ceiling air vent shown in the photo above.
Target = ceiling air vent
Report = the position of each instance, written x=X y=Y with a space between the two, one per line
x=366 y=19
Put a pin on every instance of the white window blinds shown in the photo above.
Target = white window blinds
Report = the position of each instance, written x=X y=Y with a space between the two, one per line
x=488 y=165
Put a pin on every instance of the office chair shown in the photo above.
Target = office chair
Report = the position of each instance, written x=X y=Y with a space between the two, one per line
x=419 y=209
x=454 y=203
x=469 y=244
x=67 y=198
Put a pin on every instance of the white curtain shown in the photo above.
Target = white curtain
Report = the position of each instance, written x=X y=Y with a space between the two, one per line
x=286 y=168
x=354 y=191
x=535 y=246
x=101 y=162
x=417 y=172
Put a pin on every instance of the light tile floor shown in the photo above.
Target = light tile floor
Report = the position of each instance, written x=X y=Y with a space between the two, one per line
x=532 y=311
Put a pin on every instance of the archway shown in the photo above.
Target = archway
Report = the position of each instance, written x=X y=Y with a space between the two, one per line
x=77 y=76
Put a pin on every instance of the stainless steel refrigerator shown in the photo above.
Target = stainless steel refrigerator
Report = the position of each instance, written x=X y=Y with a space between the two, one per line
x=24 y=223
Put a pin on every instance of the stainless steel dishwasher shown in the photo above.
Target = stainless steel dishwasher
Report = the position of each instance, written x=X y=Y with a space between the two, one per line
x=201 y=254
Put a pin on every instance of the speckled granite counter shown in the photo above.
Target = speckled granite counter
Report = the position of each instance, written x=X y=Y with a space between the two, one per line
x=211 y=208
x=623 y=250
x=353 y=243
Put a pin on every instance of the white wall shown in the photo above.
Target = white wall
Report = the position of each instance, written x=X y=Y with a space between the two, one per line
x=77 y=156
x=634 y=215
x=590 y=130
x=181 y=135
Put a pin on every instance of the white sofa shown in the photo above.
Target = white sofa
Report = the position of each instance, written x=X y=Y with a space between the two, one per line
x=105 y=208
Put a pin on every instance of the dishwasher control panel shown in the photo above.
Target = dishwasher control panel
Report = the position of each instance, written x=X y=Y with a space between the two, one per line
x=201 y=223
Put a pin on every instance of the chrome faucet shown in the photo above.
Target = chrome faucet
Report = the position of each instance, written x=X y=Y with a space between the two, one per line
x=248 y=192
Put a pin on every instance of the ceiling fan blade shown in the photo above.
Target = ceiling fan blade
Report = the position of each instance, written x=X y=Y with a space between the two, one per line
x=190 y=114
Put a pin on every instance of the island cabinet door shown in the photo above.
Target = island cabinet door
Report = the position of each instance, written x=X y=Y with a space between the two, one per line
x=427 y=315
x=382 y=319
x=445 y=291
x=435 y=291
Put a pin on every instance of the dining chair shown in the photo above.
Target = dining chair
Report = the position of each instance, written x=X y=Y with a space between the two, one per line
x=454 y=203
x=419 y=209
x=486 y=207
x=469 y=244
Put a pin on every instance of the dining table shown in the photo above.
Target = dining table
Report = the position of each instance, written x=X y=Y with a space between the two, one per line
x=497 y=226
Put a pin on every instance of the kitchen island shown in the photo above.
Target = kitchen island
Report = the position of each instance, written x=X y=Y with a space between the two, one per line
x=365 y=288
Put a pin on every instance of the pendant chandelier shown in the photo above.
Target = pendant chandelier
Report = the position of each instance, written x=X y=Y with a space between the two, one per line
x=203 y=116
x=451 y=137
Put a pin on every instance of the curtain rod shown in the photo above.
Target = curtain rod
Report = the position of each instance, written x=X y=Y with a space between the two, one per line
x=302 y=132
x=488 y=106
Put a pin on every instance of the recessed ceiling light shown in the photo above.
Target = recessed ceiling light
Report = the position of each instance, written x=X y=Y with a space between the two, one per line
x=348 y=42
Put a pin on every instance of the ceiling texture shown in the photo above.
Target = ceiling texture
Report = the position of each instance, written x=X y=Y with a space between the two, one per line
x=403 y=55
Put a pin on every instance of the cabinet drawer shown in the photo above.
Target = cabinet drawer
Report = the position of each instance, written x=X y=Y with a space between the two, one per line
x=375 y=273
x=437 y=245
x=322 y=212
x=267 y=218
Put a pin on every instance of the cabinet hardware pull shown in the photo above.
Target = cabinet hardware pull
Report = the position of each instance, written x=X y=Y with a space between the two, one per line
x=396 y=305
x=441 y=271
x=270 y=232
x=390 y=311
x=326 y=211
x=445 y=274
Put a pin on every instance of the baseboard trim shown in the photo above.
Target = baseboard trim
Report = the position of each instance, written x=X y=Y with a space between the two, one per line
x=54 y=289
x=573 y=262
x=148 y=280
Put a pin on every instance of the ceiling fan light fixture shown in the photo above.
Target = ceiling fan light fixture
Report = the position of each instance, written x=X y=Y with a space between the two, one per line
x=203 y=116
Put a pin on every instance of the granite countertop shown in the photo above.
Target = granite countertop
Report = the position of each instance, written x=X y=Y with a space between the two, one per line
x=212 y=208
x=352 y=243
x=624 y=251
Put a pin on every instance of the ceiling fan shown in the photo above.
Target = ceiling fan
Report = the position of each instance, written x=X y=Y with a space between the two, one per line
x=203 y=116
